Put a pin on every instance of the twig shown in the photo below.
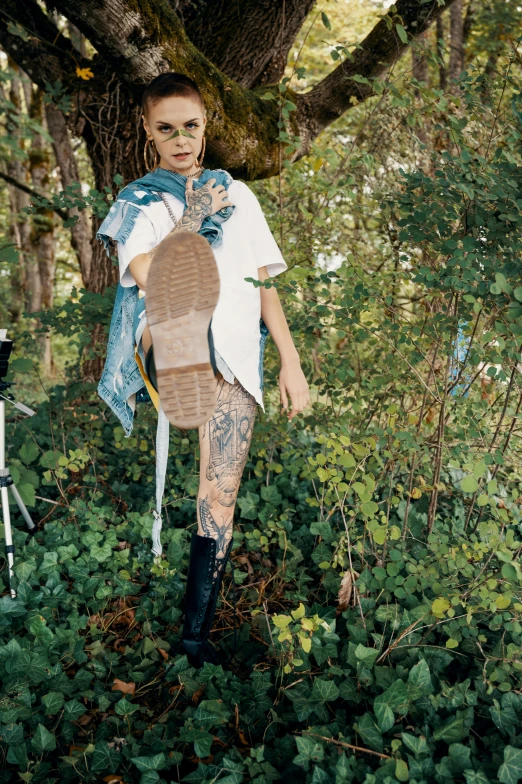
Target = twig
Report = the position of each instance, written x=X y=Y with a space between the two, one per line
x=346 y=745
x=26 y=189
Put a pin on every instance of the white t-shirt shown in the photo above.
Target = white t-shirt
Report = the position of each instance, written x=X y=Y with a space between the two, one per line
x=247 y=245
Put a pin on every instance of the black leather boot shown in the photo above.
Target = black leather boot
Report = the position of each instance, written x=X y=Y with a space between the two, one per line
x=201 y=597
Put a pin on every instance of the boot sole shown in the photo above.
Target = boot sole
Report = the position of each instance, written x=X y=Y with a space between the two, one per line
x=182 y=293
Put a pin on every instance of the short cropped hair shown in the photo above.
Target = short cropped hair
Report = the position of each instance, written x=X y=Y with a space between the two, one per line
x=168 y=84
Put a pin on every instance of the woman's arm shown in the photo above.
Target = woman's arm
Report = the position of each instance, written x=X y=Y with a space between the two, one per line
x=292 y=381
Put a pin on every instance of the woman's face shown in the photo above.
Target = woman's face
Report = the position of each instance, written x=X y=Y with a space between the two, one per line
x=169 y=116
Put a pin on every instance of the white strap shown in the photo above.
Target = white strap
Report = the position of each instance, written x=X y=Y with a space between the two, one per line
x=162 y=453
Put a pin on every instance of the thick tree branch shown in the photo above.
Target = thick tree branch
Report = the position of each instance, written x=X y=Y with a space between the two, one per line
x=140 y=41
x=31 y=192
x=333 y=96
x=232 y=40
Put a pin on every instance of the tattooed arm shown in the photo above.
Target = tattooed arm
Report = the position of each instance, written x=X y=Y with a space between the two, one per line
x=200 y=203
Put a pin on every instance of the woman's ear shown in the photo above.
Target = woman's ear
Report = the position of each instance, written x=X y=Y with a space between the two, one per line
x=146 y=125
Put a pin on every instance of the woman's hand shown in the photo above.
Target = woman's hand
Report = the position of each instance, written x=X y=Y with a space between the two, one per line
x=293 y=384
x=208 y=199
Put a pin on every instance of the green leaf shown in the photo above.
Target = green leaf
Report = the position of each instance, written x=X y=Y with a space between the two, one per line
x=326 y=21
x=401 y=32
x=157 y=762
x=50 y=459
x=504 y=717
x=440 y=605
x=324 y=691
x=53 y=702
x=416 y=744
x=419 y=677
x=202 y=742
x=25 y=569
x=366 y=655
x=21 y=365
x=102 y=553
x=309 y=750
x=271 y=495
x=322 y=528
x=17 y=755
x=248 y=505
x=475 y=777
x=125 y=708
x=27 y=493
x=401 y=770
x=43 y=740
x=210 y=713
x=510 y=772
x=384 y=704
x=509 y=572
x=518 y=293
x=452 y=730
x=369 y=732
x=74 y=709
x=379 y=535
x=28 y=452
x=151 y=777
x=469 y=484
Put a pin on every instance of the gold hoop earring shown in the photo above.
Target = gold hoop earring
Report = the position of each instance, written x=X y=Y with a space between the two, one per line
x=200 y=161
x=146 y=156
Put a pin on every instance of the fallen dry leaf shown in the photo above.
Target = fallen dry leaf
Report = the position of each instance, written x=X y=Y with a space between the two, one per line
x=126 y=688
x=345 y=590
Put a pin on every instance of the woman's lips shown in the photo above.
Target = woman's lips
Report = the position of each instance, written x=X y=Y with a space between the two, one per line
x=181 y=155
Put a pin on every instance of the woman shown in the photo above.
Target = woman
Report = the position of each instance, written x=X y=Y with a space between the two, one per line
x=187 y=238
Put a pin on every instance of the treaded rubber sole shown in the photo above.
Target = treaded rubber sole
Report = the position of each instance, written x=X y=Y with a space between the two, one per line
x=182 y=293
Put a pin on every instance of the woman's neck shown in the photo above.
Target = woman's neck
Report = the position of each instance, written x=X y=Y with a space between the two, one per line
x=196 y=173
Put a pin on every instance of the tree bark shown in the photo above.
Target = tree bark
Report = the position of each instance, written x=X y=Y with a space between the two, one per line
x=440 y=53
x=231 y=41
x=42 y=234
x=419 y=64
x=456 y=58
x=19 y=224
x=81 y=232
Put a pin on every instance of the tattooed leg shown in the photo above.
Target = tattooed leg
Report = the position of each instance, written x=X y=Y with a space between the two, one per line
x=224 y=442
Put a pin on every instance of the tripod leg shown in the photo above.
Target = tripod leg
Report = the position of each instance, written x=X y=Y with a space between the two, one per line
x=22 y=507
x=9 y=546
x=4 y=479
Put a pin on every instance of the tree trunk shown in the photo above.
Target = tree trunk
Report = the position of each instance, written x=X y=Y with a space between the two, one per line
x=42 y=235
x=419 y=64
x=456 y=58
x=81 y=232
x=440 y=53
x=24 y=279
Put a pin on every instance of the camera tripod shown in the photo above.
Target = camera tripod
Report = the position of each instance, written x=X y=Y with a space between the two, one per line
x=6 y=481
